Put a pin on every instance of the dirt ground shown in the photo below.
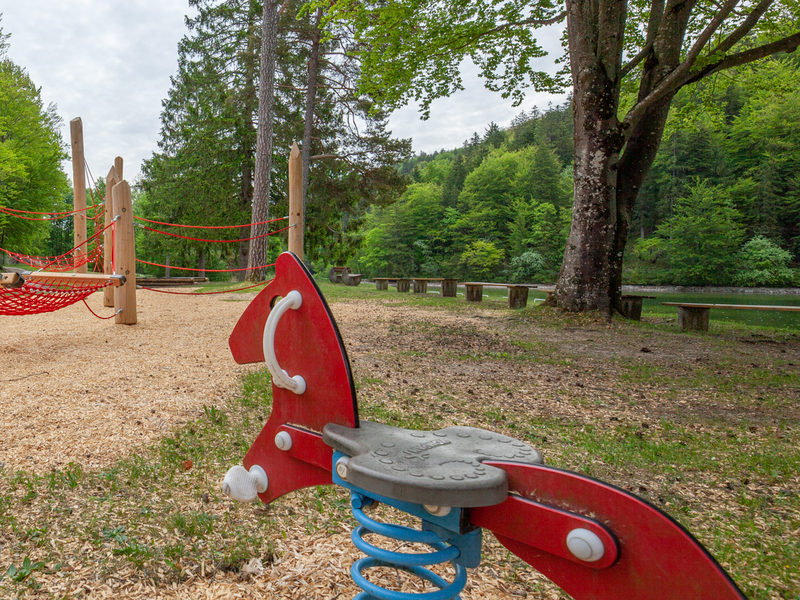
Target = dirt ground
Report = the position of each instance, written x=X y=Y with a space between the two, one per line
x=77 y=389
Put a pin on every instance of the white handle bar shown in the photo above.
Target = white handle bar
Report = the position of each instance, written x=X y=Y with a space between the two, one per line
x=280 y=377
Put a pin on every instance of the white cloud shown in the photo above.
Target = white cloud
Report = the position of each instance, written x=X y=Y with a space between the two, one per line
x=106 y=62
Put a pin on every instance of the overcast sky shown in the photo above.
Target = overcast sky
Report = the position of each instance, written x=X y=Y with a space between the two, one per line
x=110 y=61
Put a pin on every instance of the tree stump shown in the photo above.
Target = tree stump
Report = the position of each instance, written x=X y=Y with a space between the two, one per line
x=473 y=293
x=518 y=296
x=420 y=286
x=449 y=288
x=693 y=318
x=402 y=285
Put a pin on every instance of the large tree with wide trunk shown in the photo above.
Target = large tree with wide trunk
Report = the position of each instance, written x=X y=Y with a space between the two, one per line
x=627 y=60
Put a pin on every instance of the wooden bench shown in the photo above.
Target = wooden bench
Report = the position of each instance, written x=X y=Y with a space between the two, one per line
x=517 y=292
x=350 y=279
x=382 y=283
x=343 y=275
x=449 y=285
x=169 y=281
x=335 y=274
x=695 y=316
x=421 y=283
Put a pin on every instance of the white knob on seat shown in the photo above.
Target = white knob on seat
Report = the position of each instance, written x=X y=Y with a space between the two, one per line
x=243 y=485
x=585 y=545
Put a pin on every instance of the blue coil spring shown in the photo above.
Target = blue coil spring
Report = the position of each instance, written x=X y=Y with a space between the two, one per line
x=411 y=563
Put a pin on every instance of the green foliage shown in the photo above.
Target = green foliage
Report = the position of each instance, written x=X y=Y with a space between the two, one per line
x=527 y=267
x=761 y=262
x=414 y=49
x=482 y=258
x=31 y=151
x=702 y=238
x=25 y=570
x=205 y=170
x=518 y=200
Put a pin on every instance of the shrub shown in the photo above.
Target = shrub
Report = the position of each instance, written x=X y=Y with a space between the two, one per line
x=762 y=262
x=527 y=266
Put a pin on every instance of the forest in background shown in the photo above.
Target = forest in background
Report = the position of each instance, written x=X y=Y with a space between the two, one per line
x=721 y=205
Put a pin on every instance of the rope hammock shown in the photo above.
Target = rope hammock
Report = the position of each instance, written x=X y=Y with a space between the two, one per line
x=34 y=293
x=65 y=262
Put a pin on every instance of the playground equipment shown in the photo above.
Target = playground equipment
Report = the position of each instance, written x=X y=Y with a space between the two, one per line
x=40 y=291
x=593 y=540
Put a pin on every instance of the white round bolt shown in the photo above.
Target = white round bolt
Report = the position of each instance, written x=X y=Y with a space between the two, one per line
x=283 y=441
x=243 y=485
x=341 y=467
x=585 y=545
x=437 y=511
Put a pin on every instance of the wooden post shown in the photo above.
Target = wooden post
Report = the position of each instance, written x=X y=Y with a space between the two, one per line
x=125 y=255
x=111 y=180
x=402 y=284
x=296 y=216
x=420 y=286
x=78 y=191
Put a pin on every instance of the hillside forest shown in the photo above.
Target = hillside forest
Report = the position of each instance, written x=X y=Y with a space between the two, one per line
x=720 y=206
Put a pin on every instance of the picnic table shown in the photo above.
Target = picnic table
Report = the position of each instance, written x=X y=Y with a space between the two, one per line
x=695 y=316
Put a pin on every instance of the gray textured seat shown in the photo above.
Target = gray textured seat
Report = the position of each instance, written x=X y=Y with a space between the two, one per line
x=443 y=468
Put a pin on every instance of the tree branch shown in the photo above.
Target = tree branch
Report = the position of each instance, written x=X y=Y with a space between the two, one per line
x=743 y=28
x=675 y=80
x=653 y=23
x=787 y=44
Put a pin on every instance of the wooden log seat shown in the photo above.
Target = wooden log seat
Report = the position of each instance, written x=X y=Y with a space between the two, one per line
x=694 y=316
x=517 y=292
x=403 y=284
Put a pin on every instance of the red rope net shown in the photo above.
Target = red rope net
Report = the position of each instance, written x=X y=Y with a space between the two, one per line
x=36 y=297
x=60 y=264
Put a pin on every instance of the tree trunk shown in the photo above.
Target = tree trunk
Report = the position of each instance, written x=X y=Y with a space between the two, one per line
x=606 y=184
x=261 y=192
x=311 y=99
x=595 y=46
x=201 y=264
x=250 y=101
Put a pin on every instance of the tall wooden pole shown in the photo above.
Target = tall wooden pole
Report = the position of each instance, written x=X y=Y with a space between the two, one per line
x=108 y=237
x=296 y=216
x=79 y=192
x=125 y=255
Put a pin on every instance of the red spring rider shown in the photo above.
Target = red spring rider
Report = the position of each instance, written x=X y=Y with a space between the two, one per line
x=592 y=539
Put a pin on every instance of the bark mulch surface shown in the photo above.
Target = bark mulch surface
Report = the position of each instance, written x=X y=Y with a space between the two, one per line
x=704 y=426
